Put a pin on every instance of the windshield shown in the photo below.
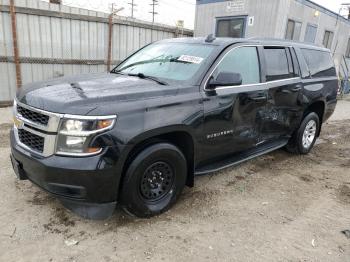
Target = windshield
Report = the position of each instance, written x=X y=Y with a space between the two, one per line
x=173 y=61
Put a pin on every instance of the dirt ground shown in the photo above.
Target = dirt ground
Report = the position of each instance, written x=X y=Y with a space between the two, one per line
x=278 y=207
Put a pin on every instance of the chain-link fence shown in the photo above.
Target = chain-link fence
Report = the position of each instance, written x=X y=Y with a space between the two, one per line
x=40 y=41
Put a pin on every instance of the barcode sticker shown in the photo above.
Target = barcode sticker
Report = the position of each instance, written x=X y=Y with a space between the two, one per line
x=190 y=59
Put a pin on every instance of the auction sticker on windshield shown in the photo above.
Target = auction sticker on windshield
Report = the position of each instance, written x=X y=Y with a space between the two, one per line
x=190 y=59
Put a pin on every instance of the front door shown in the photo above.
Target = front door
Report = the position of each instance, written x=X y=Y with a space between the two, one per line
x=232 y=114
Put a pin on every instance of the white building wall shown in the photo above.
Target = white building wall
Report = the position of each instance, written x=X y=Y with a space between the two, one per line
x=270 y=20
x=265 y=11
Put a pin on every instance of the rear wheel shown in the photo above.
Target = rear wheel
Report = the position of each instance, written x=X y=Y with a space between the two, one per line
x=305 y=137
x=154 y=180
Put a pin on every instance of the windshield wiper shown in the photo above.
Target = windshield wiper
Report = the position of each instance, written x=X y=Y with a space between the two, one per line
x=155 y=79
x=142 y=76
x=151 y=61
x=117 y=72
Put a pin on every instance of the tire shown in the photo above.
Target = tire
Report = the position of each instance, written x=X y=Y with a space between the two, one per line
x=153 y=181
x=300 y=144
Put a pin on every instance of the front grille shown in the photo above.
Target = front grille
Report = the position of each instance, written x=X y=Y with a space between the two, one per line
x=33 y=116
x=31 y=140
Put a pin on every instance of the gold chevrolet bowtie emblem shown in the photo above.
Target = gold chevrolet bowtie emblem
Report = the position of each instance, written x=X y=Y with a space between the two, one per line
x=18 y=123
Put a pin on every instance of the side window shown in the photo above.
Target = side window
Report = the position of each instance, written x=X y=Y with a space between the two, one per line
x=244 y=61
x=328 y=39
x=296 y=67
x=230 y=27
x=305 y=72
x=320 y=63
x=293 y=30
x=310 y=34
x=347 y=54
x=278 y=63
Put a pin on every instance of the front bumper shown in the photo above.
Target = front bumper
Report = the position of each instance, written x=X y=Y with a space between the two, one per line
x=80 y=183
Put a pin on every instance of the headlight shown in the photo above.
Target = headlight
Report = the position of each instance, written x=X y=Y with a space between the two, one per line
x=76 y=133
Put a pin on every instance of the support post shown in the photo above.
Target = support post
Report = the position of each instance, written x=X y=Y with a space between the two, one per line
x=15 y=44
x=110 y=32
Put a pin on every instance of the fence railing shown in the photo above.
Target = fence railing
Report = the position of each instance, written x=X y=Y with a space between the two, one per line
x=39 y=41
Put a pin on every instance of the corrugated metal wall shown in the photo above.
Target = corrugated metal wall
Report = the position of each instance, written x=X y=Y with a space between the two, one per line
x=7 y=70
x=56 y=40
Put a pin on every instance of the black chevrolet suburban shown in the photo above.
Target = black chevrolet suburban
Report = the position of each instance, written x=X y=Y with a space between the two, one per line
x=173 y=110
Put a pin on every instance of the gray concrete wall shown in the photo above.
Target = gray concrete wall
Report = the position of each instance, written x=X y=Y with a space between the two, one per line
x=264 y=13
x=339 y=27
x=270 y=20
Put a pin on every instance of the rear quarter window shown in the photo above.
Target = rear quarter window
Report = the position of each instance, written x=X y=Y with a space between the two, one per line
x=320 y=63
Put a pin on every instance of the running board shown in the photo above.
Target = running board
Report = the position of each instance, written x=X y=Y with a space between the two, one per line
x=241 y=157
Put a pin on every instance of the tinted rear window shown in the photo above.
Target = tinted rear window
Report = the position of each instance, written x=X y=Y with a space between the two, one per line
x=278 y=64
x=320 y=63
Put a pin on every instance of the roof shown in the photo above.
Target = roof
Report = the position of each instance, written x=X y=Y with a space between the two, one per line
x=224 y=42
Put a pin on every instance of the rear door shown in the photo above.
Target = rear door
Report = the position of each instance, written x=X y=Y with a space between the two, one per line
x=322 y=83
x=284 y=107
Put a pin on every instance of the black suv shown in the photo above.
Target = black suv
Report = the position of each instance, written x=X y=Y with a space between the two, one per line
x=173 y=110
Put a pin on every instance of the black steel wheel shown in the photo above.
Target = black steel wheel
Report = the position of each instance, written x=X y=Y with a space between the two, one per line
x=154 y=180
x=157 y=181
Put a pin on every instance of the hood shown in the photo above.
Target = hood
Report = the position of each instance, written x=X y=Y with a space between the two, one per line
x=84 y=93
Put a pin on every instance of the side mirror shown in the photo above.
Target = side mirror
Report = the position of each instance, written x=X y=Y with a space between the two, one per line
x=225 y=79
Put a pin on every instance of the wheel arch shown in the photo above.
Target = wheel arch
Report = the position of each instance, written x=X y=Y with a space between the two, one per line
x=180 y=136
x=319 y=108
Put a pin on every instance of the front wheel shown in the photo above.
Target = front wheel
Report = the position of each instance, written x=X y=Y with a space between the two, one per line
x=154 y=180
x=305 y=137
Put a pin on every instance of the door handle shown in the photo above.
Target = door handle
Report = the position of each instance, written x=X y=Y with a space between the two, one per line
x=285 y=91
x=296 y=89
x=259 y=98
